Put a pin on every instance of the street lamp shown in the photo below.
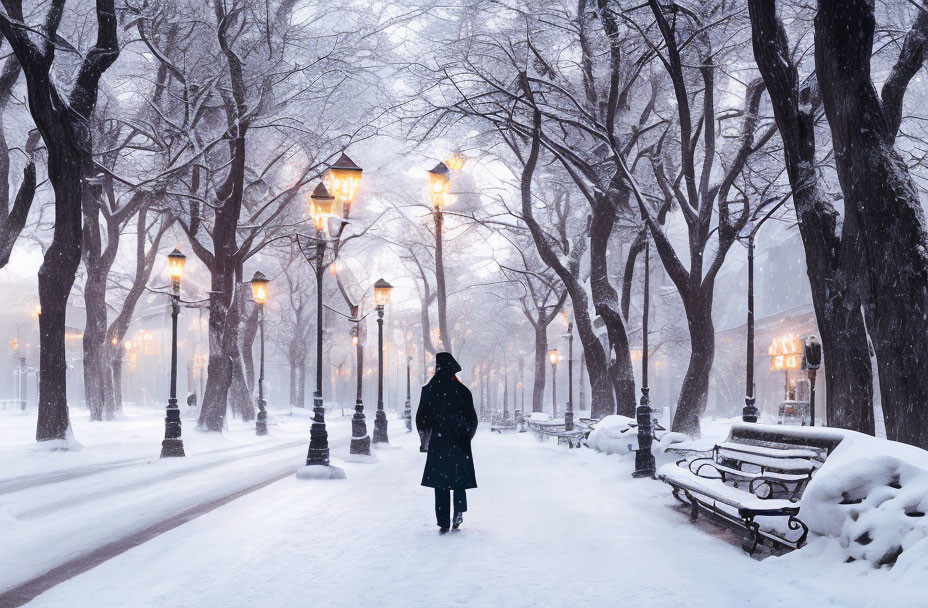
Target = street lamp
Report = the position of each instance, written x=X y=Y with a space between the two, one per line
x=569 y=414
x=381 y=299
x=344 y=178
x=439 y=185
x=173 y=445
x=644 y=459
x=554 y=357
x=259 y=294
x=455 y=161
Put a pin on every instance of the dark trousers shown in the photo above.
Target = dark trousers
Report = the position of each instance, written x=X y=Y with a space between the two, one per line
x=443 y=505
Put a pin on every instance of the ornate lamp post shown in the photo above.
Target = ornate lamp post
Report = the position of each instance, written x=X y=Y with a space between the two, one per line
x=344 y=179
x=439 y=185
x=259 y=294
x=644 y=459
x=360 y=441
x=381 y=299
x=173 y=445
x=407 y=412
x=554 y=356
x=569 y=413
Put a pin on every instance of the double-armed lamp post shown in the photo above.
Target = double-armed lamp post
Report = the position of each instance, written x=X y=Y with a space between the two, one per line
x=173 y=445
x=259 y=294
x=344 y=178
x=382 y=291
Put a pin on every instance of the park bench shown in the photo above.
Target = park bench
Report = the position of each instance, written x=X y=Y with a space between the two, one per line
x=753 y=480
x=556 y=428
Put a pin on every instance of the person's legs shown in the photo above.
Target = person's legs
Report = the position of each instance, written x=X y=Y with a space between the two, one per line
x=443 y=507
x=460 y=501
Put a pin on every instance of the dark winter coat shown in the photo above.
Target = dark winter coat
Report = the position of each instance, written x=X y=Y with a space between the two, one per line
x=446 y=410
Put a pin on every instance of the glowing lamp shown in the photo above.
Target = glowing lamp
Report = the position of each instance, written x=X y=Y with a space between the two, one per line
x=259 y=287
x=344 y=179
x=456 y=161
x=382 y=292
x=321 y=206
x=14 y=344
x=554 y=356
x=354 y=340
x=176 y=263
x=439 y=185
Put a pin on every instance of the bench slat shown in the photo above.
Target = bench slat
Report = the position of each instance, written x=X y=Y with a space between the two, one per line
x=749 y=448
x=782 y=464
x=718 y=491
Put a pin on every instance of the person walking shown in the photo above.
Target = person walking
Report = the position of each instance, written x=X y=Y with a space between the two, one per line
x=447 y=416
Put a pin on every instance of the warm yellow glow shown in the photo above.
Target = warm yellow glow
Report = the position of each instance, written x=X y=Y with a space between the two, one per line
x=321 y=207
x=354 y=340
x=785 y=345
x=259 y=288
x=439 y=185
x=147 y=337
x=554 y=356
x=128 y=345
x=14 y=344
x=36 y=311
x=176 y=263
x=333 y=270
x=382 y=291
x=114 y=341
x=344 y=179
x=456 y=161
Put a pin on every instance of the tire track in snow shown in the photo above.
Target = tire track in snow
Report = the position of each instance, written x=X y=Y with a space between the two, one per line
x=71 y=501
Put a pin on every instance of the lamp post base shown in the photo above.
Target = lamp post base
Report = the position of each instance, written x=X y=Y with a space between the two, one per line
x=750 y=412
x=644 y=459
x=318 y=453
x=407 y=414
x=261 y=419
x=569 y=420
x=380 y=427
x=360 y=441
x=173 y=445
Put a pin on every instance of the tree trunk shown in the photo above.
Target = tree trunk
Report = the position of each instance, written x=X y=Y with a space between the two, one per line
x=605 y=301
x=882 y=198
x=56 y=277
x=219 y=366
x=695 y=389
x=94 y=337
x=541 y=359
x=830 y=257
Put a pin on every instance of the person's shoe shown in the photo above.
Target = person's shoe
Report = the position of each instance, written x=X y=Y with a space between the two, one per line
x=458 y=520
x=443 y=530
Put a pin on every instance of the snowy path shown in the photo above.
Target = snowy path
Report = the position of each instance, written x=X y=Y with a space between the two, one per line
x=546 y=527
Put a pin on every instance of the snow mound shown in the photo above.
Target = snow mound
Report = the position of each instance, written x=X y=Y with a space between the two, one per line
x=612 y=435
x=874 y=505
x=540 y=416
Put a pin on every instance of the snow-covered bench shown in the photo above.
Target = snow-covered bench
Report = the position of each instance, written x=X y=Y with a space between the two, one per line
x=556 y=428
x=754 y=480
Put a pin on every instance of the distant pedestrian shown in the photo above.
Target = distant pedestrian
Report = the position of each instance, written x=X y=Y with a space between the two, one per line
x=446 y=414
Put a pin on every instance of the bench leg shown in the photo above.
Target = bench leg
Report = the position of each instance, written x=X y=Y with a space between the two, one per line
x=694 y=506
x=754 y=538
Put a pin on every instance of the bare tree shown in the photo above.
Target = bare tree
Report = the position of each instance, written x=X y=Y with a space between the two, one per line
x=64 y=121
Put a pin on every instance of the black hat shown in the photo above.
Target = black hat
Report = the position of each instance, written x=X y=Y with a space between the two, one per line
x=445 y=364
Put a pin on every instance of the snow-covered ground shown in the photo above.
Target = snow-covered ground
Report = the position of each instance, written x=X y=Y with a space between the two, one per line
x=547 y=527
